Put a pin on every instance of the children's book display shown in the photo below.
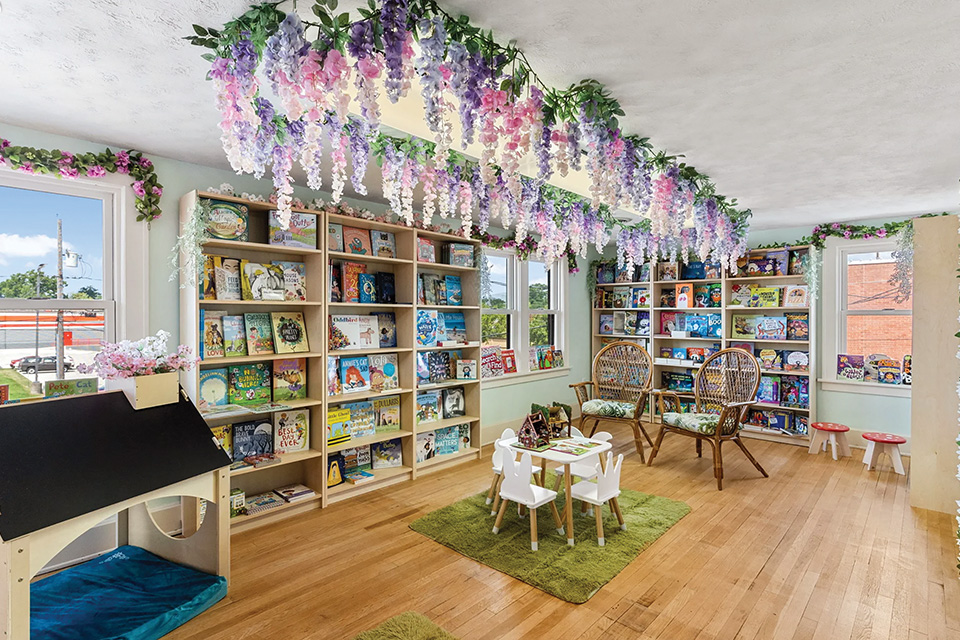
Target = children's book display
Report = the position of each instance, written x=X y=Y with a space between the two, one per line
x=354 y=332
x=875 y=368
x=301 y=232
x=228 y=220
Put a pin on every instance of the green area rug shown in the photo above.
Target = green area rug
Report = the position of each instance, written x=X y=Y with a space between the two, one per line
x=573 y=573
x=406 y=626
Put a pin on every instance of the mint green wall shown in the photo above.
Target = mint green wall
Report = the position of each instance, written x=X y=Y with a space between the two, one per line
x=859 y=412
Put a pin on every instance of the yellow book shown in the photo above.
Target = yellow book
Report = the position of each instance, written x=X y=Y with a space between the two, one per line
x=765 y=297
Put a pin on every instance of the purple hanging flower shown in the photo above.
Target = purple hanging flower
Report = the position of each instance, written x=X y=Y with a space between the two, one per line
x=432 y=51
x=393 y=18
x=359 y=152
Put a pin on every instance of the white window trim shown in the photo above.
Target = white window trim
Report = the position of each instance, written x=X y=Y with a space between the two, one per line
x=518 y=308
x=834 y=283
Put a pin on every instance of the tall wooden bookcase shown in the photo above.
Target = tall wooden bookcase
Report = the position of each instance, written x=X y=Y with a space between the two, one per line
x=310 y=467
x=656 y=341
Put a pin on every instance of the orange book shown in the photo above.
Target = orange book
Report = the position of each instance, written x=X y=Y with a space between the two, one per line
x=684 y=296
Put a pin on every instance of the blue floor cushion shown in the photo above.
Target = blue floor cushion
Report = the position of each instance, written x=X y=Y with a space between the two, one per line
x=129 y=594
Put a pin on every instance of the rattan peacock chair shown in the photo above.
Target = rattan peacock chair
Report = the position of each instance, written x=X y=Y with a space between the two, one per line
x=725 y=387
x=618 y=391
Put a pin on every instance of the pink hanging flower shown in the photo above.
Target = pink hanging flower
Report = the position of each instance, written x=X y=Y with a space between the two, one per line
x=146 y=164
x=69 y=173
x=138 y=188
x=96 y=171
x=26 y=167
x=881 y=233
x=157 y=191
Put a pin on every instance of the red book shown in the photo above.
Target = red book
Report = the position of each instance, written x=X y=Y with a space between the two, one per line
x=351 y=287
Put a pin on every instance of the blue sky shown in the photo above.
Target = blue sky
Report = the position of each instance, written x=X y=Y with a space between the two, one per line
x=28 y=235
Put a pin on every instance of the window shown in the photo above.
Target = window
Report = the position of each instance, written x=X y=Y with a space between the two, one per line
x=523 y=306
x=873 y=321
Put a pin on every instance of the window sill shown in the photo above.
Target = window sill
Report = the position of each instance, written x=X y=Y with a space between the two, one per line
x=865 y=388
x=520 y=378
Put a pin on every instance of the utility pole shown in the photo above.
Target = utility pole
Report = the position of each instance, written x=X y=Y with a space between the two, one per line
x=60 y=354
x=35 y=387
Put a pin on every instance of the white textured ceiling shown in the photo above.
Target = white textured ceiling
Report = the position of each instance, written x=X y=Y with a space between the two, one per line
x=807 y=112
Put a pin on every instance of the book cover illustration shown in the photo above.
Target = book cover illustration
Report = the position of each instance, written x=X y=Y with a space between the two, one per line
x=334 y=470
x=213 y=388
x=289 y=379
x=668 y=297
x=465 y=438
x=334 y=237
x=249 y=384
x=224 y=435
x=795 y=391
x=301 y=233
x=711 y=269
x=619 y=322
x=770 y=359
x=234 y=336
x=262 y=281
x=344 y=333
x=338 y=426
x=798 y=326
x=384 y=372
x=701 y=296
x=428 y=406
x=362 y=419
x=454 y=327
x=693 y=271
x=460 y=254
x=454 y=403
x=684 y=296
x=387 y=454
x=764 y=297
x=447 y=440
x=383 y=244
x=715 y=294
x=441 y=286
x=426 y=251
x=796 y=361
x=780 y=261
x=491 y=363
x=623 y=274
x=796 y=295
x=430 y=288
x=769 y=390
x=678 y=353
x=294 y=280
x=888 y=371
x=356 y=459
x=227 y=275
x=228 y=220
x=71 y=387
x=386 y=288
x=439 y=364
x=467 y=369
x=671 y=321
x=740 y=295
x=605 y=274
x=771 y=328
x=639 y=298
x=757 y=266
x=744 y=326
x=423 y=369
x=850 y=367
x=289 y=332
x=252 y=438
x=212 y=327
x=426 y=328
x=335 y=279
x=426 y=446
x=356 y=241
x=906 y=373
x=620 y=297
x=606 y=324
x=354 y=374
x=798 y=263
x=208 y=290
x=351 y=280
x=367 y=287
x=696 y=354
x=333 y=376
x=263 y=502
x=696 y=325
x=294 y=492
x=259 y=333
x=291 y=431
x=369 y=332
x=454 y=290
x=387 y=413
x=667 y=271
x=387 y=326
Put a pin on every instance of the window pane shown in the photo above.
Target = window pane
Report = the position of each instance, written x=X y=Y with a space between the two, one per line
x=28 y=244
x=541 y=329
x=495 y=330
x=539 y=285
x=28 y=346
x=868 y=282
x=888 y=335
x=495 y=296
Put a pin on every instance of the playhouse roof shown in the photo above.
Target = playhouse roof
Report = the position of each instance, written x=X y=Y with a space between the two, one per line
x=62 y=458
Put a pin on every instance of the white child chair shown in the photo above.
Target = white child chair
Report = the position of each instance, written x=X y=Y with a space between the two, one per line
x=516 y=487
x=494 y=494
x=605 y=489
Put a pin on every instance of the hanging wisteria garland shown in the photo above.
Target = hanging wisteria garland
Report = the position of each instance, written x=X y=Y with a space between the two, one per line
x=500 y=102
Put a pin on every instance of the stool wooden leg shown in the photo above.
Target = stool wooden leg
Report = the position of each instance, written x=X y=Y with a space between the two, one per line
x=833 y=444
x=533 y=530
x=556 y=517
x=844 y=444
x=598 y=510
x=893 y=450
x=615 y=505
x=493 y=488
x=496 y=496
x=815 y=441
x=500 y=514
x=868 y=454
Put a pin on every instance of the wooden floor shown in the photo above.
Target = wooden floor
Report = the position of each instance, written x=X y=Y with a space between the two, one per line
x=820 y=550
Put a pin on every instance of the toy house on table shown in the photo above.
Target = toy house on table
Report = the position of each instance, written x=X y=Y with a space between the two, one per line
x=70 y=463
x=534 y=432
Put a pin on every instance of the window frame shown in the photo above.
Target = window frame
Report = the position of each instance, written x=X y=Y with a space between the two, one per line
x=835 y=313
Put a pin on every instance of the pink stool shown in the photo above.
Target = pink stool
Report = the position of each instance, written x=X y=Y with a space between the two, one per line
x=888 y=444
x=829 y=432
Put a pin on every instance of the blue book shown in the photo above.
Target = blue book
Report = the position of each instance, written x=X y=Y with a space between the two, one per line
x=454 y=290
x=454 y=327
x=427 y=320
x=697 y=326
x=714 y=324
x=447 y=440
x=367 y=285
x=252 y=438
x=213 y=388
x=355 y=374
x=387 y=324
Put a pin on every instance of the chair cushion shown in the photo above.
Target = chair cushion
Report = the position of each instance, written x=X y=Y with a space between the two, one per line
x=609 y=408
x=705 y=423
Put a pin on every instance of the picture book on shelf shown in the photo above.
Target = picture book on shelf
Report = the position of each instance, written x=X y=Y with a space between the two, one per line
x=261 y=281
x=289 y=379
x=639 y=298
x=333 y=376
x=795 y=295
x=888 y=371
x=423 y=368
x=744 y=326
x=383 y=243
x=439 y=364
x=850 y=367
x=795 y=391
x=212 y=322
x=454 y=290
x=213 y=388
x=465 y=438
x=740 y=295
x=467 y=369
x=798 y=326
x=769 y=390
x=335 y=292
x=351 y=280
x=771 y=328
x=344 y=333
x=354 y=374
x=294 y=492
x=259 y=333
x=208 y=288
x=426 y=446
x=249 y=384
x=387 y=454
x=770 y=359
x=334 y=237
x=387 y=414
x=460 y=254
x=447 y=440
x=367 y=287
x=359 y=477
x=338 y=426
x=356 y=241
x=454 y=327
x=263 y=502
x=684 y=296
x=426 y=251
x=605 y=273
x=426 y=328
x=606 y=324
x=701 y=296
x=227 y=276
x=796 y=361
x=362 y=419
x=667 y=271
x=428 y=406
x=764 y=297
x=289 y=332
x=234 y=336
x=369 y=332
x=252 y=438
x=228 y=220
x=779 y=260
x=693 y=271
x=387 y=327
x=294 y=280
x=72 y=387
x=454 y=403
x=301 y=233
x=491 y=362
x=334 y=470
x=619 y=297
x=291 y=431
x=906 y=372
x=384 y=374
x=224 y=435
x=386 y=288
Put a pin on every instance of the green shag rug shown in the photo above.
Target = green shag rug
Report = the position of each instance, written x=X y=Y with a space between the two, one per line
x=406 y=626
x=570 y=573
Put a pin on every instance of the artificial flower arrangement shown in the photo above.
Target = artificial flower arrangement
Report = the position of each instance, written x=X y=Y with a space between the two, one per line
x=145 y=357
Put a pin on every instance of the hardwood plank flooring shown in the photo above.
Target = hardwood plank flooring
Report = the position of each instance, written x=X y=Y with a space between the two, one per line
x=822 y=549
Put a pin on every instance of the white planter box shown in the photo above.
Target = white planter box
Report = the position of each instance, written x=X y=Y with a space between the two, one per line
x=144 y=392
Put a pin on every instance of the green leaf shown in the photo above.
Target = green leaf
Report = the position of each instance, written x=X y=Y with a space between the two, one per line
x=200 y=31
x=332 y=4
x=325 y=20
x=343 y=19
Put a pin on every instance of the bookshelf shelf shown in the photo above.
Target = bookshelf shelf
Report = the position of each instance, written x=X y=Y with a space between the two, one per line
x=453 y=347
x=699 y=281
x=444 y=385
x=264 y=357
x=359 y=257
x=439 y=266
x=356 y=306
x=759 y=279
x=364 y=395
x=448 y=307
x=739 y=309
x=619 y=335
x=624 y=284
x=258 y=303
x=624 y=308
x=445 y=237
x=380 y=478
x=301 y=505
x=367 y=352
x=770 y=405
x=262 y=247
x=784 y=342
x=365 y=440
x=662 y=337
x=446 y=422
x=285 y=458
x=448 y=457
x=360 y=223
x=249 y=415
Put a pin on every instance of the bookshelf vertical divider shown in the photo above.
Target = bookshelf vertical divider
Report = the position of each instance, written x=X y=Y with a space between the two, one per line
x=309 y=467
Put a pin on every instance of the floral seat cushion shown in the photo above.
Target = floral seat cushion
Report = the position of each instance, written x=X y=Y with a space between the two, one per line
x=705 y=423
x=609 y=408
